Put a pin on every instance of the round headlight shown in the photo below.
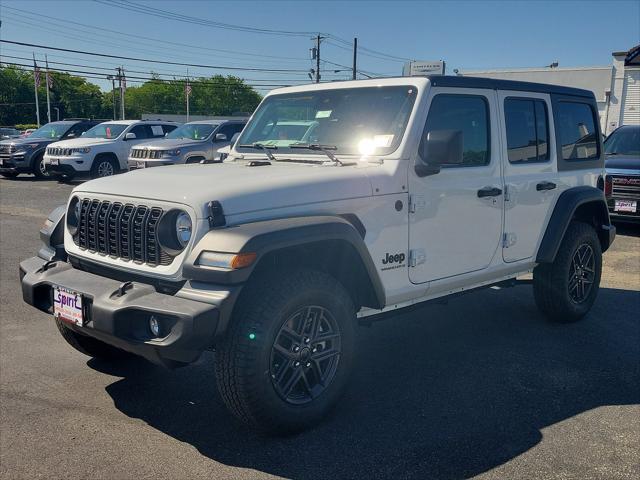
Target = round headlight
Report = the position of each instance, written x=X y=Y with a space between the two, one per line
x=73 y=215
x=183 y=228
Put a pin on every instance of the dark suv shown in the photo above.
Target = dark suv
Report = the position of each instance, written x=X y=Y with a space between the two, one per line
x=24 y=155
x=622 y=185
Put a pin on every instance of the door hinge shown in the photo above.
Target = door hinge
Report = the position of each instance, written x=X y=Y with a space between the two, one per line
x=507 y=193
x=509 y=239
x=416 y=202
x=417 y=257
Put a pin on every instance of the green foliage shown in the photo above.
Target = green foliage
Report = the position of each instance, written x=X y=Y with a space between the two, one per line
x=25 y=126
x=75 y=97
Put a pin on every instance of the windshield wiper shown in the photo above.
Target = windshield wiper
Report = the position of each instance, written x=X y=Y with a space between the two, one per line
x=265 y=148
x=326 y=149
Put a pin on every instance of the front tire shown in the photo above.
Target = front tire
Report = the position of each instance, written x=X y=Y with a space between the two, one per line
x=88 y=345
x=103 y=166
x=289 y=351
x=566 y=289
x=39 y=169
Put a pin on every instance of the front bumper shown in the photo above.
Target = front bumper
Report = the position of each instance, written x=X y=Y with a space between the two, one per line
x=188 y=326
x=15 y=163
x=137 y=163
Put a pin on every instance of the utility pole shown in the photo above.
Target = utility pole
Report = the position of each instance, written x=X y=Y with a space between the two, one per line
x=122 y=82
x=355 y=56
x=113 y=93
x=47 y=81
x=36 y=84
x=318 y=39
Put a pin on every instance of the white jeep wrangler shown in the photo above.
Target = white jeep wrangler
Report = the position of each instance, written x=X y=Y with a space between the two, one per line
x=404 y=190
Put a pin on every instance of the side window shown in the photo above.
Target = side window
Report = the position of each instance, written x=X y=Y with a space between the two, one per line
x=468 y=114
x=140 y=131
x=168 y=128
x=527 y=130
x=76 y=130
x=229 y=129
x=575 y=124
x=156 y=131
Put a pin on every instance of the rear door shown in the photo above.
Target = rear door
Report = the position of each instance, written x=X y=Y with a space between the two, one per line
x=530 y=170
x=455 y=221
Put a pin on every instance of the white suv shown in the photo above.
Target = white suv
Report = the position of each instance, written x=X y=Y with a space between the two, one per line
x=103 y=150
x=406 y=190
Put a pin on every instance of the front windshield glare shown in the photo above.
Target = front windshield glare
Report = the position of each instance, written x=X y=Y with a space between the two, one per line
x=359 y=121
x=105 y=130
x=194 y=131
x=51 y=130
x=625 y=141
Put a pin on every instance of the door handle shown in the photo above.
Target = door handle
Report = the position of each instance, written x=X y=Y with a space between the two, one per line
x=545 y=186
x=489 y=192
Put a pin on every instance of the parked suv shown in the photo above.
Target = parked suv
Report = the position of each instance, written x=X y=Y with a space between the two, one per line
x=25 y=155
x=103 y=150
x=190 y=143
x=622 y=186
x=409 y=190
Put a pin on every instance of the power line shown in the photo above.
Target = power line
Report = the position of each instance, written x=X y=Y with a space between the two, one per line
x=199 y=47
x=143 y=72
x=222 y=83
x=219 y=67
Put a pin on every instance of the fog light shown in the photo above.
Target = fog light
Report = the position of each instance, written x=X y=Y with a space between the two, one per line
x=154 y=326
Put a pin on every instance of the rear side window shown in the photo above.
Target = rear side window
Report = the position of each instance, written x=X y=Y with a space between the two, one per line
x=168 y=128
x=140 y=131
x=526 y=121
x=575 y=124
x=468 y=114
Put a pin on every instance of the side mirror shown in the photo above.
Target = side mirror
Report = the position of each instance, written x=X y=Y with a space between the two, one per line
x=220 y=137
x=439 y=147
x=130 y=136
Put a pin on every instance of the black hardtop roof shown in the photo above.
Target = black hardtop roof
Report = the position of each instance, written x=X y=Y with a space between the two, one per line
x=495 y=84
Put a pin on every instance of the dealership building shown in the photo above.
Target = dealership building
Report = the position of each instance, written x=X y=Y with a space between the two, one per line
x=616 y=87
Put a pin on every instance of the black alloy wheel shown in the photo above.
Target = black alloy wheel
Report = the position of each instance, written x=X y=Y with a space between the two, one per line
x=305 y=355
x=582 y=273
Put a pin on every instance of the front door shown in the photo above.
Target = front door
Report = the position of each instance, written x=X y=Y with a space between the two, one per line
x=455 y=222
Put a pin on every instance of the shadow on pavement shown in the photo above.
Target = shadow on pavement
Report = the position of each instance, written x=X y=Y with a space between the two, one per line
x=443 y=392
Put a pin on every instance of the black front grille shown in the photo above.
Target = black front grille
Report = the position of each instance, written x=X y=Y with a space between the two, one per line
x=121 y=230
x=6 y=151
x=623 y=186
x=59 y=151
x=140 y=153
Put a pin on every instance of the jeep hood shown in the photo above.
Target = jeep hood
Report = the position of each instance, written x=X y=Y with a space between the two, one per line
x=83 y=142
x=169 y=143
x=238 y=187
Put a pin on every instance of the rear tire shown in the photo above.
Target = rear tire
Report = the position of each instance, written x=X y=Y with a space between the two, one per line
x=88 y=345
x=566 y=289
x=289 y=351
x=39 y=169
x=103 y=166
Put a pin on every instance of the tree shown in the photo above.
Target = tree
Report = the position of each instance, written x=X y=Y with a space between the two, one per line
x=76 y=97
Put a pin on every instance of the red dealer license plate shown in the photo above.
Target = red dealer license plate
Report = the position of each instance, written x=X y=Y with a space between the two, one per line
x=67 y=306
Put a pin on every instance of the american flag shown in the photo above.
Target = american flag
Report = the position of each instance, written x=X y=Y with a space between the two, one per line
x=36 y=74
x=49 y=79
x=187 y=88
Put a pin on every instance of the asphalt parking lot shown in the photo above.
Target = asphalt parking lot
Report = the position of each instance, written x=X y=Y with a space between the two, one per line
x=483 y=386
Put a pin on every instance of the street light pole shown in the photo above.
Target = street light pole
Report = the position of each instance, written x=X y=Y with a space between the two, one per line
x=113 y=93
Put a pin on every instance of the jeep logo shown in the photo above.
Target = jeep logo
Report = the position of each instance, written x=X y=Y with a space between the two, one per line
x=397 y=258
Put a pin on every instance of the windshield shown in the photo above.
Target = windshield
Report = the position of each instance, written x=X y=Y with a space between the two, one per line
x=193 y=131
x=105 y=130
x=354 y=120
x=625 y=141
x=51 y=130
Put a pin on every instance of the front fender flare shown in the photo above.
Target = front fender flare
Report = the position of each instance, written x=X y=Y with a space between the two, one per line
x=268 y=236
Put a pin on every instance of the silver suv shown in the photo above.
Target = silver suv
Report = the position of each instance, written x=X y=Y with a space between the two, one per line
x=191 y=143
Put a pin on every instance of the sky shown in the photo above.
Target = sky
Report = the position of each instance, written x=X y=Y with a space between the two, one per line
x=467 y=35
